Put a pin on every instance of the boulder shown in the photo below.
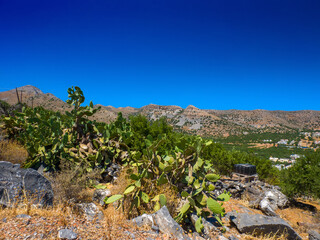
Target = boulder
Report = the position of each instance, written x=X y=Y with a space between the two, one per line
x=17 y=184
x=90 y=210
x=263 y=225
x=100 y=194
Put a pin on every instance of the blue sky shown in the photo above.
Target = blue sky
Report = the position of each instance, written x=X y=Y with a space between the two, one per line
x=213 y=54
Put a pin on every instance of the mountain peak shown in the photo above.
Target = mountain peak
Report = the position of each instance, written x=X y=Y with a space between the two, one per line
x=191 y=107
x=30 y=90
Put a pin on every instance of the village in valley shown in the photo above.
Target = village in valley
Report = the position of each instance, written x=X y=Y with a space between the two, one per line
x=308 y=140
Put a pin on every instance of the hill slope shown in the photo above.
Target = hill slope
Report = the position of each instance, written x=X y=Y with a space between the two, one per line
x=191 y=119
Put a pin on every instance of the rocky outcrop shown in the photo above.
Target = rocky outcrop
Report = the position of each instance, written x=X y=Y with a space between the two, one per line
x=163 y=221
x=260 y=224
x=260 y=195
x=235 y=188
x=17 y=184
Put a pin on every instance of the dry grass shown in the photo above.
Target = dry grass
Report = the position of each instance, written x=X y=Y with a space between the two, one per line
x=12 y=151
x=69 y=186
x=265 y=237
x=47 y=223
x=123 y=181
x=301 y=220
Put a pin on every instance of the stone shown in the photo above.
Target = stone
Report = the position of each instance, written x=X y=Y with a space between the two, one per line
x=222 y=238
x=233 y=238
x=168 y=225
x=266 y=207
x=130 y=234
x=90 y=210
x=16 y=184
x=313 y=235
x=196 y=236
x=67 y=234
x=268 y=201
x=271 y=201
x=260 y=224
x=208 y=227
x=143 y=220
x=100 y=194
x=111 y=172
x=23 y=216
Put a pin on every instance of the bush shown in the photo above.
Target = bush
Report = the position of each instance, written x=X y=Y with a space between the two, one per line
x=302 y=179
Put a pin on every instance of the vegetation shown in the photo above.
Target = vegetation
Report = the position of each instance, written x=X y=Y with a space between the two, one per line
x=302 y=179
x=154 y=156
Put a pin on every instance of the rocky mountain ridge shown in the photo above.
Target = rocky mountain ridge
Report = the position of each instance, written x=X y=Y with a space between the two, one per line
x=192 y=119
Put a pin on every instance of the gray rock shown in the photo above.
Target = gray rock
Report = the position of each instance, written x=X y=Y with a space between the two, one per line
x=167 y=224
x=111 y=172
x=233 y=238
x=208 y=227
x=313 y=235
x=67 y=234
x=4 y=220
x=222 y=238
x=16 y=184
x=130 y=234
x=100 y=194
x=260 y=224
x=269 y=201
x=23 y=216
x=196 y=236
x=90 y=210
x=144 y=220
x=266 y=207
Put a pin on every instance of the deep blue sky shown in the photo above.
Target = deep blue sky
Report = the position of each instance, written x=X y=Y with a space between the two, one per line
x=215 y=54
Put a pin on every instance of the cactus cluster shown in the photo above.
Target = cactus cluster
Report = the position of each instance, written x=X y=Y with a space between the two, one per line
x=153 y=153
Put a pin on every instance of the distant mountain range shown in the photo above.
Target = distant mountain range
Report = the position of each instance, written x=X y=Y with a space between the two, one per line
x=191 y=119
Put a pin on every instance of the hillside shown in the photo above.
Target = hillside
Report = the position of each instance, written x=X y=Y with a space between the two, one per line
x=193 y=120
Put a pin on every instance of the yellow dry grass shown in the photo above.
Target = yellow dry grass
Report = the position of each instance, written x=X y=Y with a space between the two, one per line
x=12 y=151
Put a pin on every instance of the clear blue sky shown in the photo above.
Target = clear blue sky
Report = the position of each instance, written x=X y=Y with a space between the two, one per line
x=215 y=54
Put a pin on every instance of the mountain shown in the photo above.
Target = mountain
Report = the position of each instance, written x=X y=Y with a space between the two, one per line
x=33 y=96
x=191 y=119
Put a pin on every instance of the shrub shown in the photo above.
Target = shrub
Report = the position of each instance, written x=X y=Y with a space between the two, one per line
x=302 y=179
